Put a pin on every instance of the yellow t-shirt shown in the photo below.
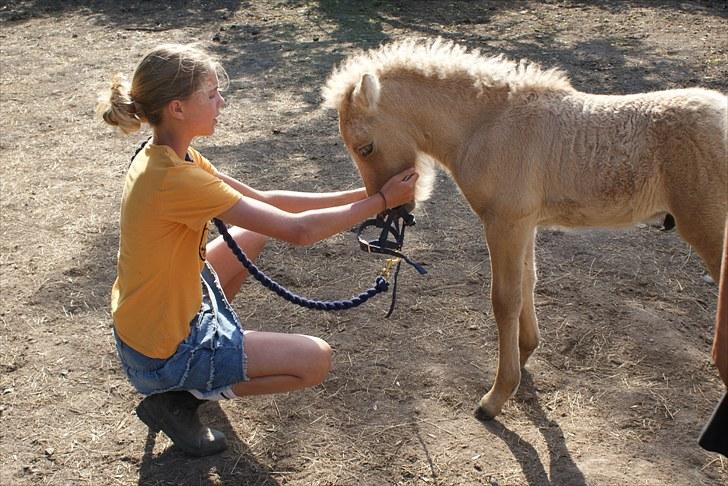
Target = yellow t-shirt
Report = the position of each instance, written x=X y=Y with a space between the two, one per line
x=165 y=208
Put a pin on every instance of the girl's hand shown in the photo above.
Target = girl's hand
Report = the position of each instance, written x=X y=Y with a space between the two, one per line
x=400 y=189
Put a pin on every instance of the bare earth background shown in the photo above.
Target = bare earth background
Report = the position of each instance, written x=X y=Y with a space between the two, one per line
x=616 y=394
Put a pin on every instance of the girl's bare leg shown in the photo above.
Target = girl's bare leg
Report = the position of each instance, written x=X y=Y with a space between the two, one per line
x=278 y=362
x=230 y=271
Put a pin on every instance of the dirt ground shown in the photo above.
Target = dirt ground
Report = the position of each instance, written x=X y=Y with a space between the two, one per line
x=616 y=394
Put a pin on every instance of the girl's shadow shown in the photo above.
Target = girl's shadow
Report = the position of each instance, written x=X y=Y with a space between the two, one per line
x=236 y=465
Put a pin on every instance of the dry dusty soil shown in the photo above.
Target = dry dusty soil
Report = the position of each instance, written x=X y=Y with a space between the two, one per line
x=616 y=394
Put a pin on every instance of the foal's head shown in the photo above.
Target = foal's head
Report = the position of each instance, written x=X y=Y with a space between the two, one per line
x=381 y=96
x=378 y=139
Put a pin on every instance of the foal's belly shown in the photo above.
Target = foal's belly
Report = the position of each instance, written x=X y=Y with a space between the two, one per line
x=570 y=213
x=602 y=198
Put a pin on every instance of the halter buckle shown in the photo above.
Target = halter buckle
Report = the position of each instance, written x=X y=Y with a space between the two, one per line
x=389 y=264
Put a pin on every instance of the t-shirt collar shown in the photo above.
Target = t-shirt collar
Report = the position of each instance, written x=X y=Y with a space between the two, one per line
x=171 y=153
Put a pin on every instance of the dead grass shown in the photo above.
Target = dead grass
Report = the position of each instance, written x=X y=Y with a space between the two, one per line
x=616 y=394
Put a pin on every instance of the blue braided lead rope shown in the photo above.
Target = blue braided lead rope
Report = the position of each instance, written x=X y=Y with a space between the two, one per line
x=380 y=284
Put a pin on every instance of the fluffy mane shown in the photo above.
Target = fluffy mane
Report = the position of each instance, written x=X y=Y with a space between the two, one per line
x=442 y=59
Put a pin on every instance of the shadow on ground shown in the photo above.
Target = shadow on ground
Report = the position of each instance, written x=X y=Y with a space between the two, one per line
x=236 y=465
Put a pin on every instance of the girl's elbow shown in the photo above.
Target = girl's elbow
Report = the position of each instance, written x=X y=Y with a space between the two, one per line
x=307 y=238
x=301 y=235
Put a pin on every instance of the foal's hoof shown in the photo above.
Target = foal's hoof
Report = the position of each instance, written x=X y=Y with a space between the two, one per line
x=482 y=415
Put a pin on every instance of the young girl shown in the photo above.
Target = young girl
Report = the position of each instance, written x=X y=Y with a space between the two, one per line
x=177 y=337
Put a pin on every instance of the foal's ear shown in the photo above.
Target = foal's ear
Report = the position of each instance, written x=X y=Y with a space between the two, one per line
x=366 y=93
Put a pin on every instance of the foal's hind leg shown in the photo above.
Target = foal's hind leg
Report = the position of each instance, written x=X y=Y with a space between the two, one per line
x=702 y=227
x=507 y=245
x=528 y=334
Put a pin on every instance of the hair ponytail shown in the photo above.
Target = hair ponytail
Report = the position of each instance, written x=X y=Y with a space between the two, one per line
x=117 y=108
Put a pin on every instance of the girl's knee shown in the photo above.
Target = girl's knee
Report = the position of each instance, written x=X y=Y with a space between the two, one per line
x=320 y=363
x=256 y=241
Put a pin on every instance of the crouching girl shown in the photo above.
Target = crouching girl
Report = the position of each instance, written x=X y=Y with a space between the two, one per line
x=178 y=338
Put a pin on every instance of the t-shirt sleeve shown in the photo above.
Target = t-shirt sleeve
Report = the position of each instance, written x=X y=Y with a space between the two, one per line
x=192 y=195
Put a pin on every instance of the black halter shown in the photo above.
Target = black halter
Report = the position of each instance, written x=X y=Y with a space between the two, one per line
x=392 y=223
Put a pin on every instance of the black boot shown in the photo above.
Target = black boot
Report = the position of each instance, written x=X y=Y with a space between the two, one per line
x=175 y=413
x=714 y=437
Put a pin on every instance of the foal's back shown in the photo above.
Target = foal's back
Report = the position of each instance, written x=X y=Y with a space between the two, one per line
x=615 y=160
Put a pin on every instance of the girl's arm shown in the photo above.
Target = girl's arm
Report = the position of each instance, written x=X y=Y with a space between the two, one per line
x=296 y=202
x=312 y=225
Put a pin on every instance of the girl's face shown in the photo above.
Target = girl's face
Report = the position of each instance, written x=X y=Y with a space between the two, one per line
x=203 y=107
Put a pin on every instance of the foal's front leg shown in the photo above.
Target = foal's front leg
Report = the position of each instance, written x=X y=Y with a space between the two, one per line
x=508 y=244
x=528 y=334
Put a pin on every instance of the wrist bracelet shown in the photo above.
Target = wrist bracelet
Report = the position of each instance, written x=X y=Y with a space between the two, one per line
x=383 y=199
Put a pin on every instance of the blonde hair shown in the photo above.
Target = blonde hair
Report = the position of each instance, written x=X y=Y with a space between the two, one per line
x=168 y=72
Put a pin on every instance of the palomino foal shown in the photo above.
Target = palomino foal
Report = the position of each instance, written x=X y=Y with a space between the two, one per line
x=528 y=150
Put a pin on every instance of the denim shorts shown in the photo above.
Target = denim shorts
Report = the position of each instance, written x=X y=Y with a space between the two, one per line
x=206 y=363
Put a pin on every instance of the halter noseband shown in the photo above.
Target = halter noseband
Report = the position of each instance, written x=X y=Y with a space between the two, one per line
x=393 y=222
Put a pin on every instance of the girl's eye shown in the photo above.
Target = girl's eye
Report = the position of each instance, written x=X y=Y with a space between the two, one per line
x=365 y=150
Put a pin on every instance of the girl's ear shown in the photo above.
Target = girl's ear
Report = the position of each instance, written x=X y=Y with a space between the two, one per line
x=175 y=109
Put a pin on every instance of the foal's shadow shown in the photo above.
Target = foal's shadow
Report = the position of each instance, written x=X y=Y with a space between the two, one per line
x=236 y=465
x=563 y=470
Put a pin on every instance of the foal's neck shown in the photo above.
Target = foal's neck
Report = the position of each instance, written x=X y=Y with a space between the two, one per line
x=444 y=114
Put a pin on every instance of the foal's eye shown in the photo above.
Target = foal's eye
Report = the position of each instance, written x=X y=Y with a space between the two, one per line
x=365 y=150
